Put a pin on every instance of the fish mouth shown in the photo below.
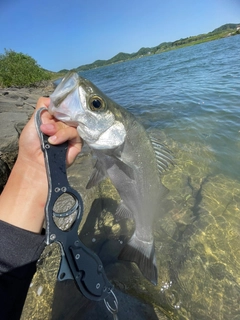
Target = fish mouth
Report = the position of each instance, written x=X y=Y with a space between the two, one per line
x=67 y=86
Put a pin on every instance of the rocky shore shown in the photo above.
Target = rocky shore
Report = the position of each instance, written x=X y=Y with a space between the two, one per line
x=16 y=107
x=55 y=302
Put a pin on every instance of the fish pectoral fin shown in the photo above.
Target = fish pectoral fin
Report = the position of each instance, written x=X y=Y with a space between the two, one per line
x=97 y=176
x=123 y=212
x=125 y=167
x=143 y=254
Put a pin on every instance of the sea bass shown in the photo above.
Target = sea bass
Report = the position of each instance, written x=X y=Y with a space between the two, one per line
x=124 y=153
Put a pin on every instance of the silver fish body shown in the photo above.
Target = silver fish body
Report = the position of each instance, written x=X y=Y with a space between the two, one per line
x=125 y=154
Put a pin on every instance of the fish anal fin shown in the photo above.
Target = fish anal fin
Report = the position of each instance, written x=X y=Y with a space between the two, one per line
x=143 y=254
x=123 y=212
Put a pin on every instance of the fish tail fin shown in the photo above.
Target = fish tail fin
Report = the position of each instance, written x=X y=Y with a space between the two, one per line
x=143 y=254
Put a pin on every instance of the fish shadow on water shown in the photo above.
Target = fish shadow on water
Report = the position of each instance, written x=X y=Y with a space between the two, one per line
x=98 y=234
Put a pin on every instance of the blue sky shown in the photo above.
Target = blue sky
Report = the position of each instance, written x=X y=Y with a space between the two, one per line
x=66 y=34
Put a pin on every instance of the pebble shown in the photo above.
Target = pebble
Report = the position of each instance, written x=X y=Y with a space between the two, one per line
x=39 y=290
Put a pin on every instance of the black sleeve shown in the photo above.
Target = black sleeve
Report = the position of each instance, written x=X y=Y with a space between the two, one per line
x=19 y=252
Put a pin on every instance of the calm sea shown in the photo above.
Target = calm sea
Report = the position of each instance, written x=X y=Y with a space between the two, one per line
x=192 y=94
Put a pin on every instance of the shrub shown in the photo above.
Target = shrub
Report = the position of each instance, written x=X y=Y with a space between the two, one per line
x=18 y=69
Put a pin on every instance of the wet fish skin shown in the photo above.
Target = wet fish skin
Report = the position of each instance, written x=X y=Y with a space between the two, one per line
x=124 y=153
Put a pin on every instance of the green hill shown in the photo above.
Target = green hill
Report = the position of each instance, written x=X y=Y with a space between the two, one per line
x=229 y=29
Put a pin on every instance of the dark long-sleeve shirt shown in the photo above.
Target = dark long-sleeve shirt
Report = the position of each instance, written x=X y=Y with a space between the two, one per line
x=19 y=251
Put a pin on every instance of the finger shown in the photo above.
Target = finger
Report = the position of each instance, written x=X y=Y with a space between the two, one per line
x=72 y=153
x=49 y=128
x=63 y=134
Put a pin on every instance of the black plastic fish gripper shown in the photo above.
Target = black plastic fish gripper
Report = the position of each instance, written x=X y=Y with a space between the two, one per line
x=77 y=262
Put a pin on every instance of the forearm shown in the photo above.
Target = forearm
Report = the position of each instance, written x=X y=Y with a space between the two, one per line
x=23 y=199
x=21 y=217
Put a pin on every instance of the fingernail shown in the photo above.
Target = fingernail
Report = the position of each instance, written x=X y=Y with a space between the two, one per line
x=52 y=139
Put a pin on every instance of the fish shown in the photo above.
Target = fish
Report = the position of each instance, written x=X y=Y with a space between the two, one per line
x=125 y=153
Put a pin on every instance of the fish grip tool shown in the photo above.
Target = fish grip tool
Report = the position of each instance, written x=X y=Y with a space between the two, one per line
x=77 y=261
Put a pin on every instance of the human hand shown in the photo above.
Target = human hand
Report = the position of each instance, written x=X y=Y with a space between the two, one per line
x=29 y=143
x=24 y=197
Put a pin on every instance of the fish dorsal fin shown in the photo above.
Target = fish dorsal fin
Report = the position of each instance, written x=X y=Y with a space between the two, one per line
x=97 y=176
x=123 y=212
x=163 y=154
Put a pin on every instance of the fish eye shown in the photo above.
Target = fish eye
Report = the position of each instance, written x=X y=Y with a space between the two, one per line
x=96 y=103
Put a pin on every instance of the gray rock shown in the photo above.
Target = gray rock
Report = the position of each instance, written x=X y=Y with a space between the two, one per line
x=16 y=108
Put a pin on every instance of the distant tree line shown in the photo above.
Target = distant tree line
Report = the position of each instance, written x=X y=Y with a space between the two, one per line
x=218 y=33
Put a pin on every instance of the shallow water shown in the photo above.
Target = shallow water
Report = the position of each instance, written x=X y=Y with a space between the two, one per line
x=191 y=99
